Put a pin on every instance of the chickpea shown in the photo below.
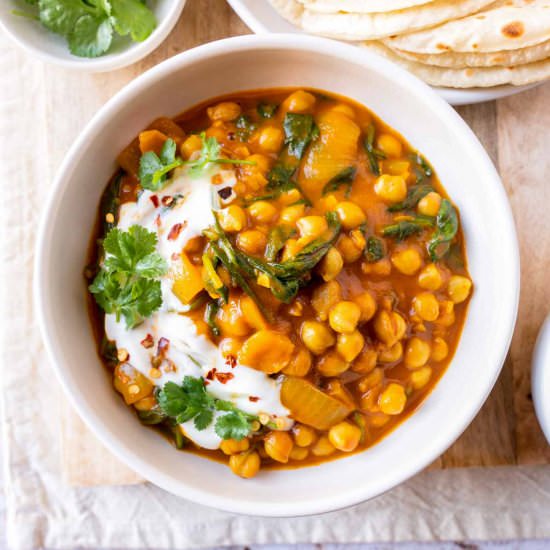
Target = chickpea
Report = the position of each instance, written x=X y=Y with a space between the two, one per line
x=324 y=297
x=271 y=139
x=299 y=102
x=330 y=202
x=440 y=349
x=408 y=261
x=393 y=399
x=225 y=111
x=350 y=214
x=391 y=355
x=304 y=435
x=348 y=249
x=430 y=277
x=446 y=313
x=417 y=353
x=190 y=145
x=311 y=227
x=323 y=447
x=345 y=436
x=331 y=265
x=378 y=420
x=291 y=248
x=331 y=364
x=252 y=241
x=290 y=197
x=291 y=214
x=371 y=380
x=367 y=305
x=358 y=239
x=245 y=464
x=390 y=145
x=426 y=306
x=232 y=446
x=232 y=218
x=389 y=327
x=429 y=204
x=344 y=316
x=420 y=377
x=350 y=344
x=459 y=288
x=381 y=268
x=391 y=188
x=262 y=212
x=262 y=162
x=316 y=336
x=299 y=453
x=299 y=364
x=396 y=168
x=278 y=446
x=365 y=361
x=231 y=321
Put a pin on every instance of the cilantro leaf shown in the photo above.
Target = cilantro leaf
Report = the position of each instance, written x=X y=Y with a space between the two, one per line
x=210 y=154
x=127 y=285
x=60 y=16
x=190 y=400
x=134 y=18
x=91 y=36
x=233 y=425
x=153 y=168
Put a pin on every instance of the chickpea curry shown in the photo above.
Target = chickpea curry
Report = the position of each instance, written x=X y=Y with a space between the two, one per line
x=280 y=278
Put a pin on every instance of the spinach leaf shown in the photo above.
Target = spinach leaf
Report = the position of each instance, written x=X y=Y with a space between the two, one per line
x=276 y=240
x=245 y=127
x=446 y=230
x=422 y=169
x=345 y=177
x=374 y=251
x=414 y=195
x=373 y=154
x=266 y=110
x=152 y=416
x=300 y=130
x=405 y=228
x=210 y=313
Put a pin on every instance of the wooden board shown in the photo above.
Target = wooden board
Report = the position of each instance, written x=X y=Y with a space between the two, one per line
x=514 y=131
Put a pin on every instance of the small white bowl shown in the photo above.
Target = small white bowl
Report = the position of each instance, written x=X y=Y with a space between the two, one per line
x=406 y=104
x=540 y=378
x=37 y=40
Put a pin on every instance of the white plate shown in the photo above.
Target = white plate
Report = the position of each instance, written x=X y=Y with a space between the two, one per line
x=38 y=41
x=540 y=378
x=262 y=17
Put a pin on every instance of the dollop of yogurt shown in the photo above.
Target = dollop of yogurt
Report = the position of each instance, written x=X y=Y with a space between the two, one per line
x=178 y=213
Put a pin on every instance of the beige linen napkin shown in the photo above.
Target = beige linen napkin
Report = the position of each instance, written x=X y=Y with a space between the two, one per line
x=44 y=511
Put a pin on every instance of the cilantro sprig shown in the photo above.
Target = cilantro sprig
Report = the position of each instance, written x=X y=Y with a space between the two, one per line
x=127 y=284
x=89 y=25
x=190 y=401
x=154 y=168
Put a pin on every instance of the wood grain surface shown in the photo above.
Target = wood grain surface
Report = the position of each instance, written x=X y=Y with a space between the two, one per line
x=515 y=131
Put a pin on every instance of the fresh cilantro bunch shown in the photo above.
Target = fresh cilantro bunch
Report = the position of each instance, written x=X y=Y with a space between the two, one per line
x=127 y=284
x=89 y=25
x=153 y=168
x=190 y=400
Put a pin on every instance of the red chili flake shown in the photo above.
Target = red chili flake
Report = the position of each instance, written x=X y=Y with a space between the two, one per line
x=163 y=346
x=231 y=360
x=155 y=200
x=157 y=220
x=224 y=377
x=167 y=200
x=148 y=342
x=175 y=231
x=253 y=398
x=175 y=256
x=210 y=374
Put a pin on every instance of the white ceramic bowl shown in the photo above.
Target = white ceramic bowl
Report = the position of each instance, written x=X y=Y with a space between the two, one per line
x=52 y=48
x=252 y=62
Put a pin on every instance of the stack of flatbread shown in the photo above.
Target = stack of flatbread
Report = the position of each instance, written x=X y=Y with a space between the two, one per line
x=450 y=43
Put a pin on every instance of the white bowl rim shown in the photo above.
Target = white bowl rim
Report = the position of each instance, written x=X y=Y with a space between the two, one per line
x=130 y=55
x=285 y=42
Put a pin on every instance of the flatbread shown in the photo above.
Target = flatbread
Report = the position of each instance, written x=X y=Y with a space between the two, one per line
x=355 y=26
x=291 y=10
x=457 y=60
x=503 y=28
x=360 y=6
x=481 y=77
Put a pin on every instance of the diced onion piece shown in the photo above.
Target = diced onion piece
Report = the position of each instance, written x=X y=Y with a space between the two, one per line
x=309 y=405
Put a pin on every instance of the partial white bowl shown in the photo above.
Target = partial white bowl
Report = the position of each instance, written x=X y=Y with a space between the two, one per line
x=262 y=17
x=52 y=48
x=540 y=378
x=406 y=104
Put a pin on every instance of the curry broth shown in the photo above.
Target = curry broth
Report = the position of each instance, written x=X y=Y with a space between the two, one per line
x=395 y=290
